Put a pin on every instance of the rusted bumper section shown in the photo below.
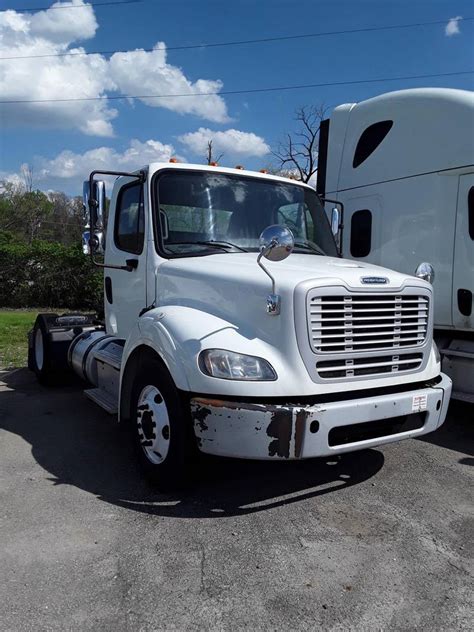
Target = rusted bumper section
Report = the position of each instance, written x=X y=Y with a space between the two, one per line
x=261 y=431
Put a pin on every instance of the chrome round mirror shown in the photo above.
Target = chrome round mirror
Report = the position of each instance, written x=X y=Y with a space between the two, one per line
x=276 y=242
x=426 y=272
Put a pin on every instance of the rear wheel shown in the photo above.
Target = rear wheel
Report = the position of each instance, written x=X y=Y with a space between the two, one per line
x=161 y=427
x=43 y=358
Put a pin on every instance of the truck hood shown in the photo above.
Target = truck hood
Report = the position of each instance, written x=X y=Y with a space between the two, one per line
x=240 y=270
x=219 y=301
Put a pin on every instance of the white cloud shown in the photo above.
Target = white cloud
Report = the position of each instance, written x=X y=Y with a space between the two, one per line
x=452 y=27
x=48 y=33
x=61 y=27
x=142 y=73
x=53 y=32
x=69 y=165
x=232 y=142
x=67 y=170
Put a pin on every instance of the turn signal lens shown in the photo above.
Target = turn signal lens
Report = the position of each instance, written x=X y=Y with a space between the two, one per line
x=228 y=365
x=426 y=272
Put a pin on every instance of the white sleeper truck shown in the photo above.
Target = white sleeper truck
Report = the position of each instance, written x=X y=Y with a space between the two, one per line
x=215 y=338
x=402 y=164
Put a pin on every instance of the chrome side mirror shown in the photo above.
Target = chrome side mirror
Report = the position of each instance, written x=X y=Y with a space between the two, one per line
x=94 y=215
x=335 y=221
x=426 y=272
x=276 y=244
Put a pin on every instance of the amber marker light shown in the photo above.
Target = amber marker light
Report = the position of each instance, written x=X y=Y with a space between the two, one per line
x=173 y=160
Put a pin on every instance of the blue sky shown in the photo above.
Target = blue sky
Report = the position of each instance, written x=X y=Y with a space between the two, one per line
x=62 y=141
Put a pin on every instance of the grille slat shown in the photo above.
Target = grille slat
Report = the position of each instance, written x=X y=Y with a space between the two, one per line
x=350 y=310
x=378 y=302
x=343 y=317
x=368 y=366
x=367 y=334
x=352 y=326
x=389 y=362
x=347 y=342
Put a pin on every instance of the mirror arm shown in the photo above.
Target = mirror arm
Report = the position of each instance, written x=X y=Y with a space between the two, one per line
x=262 y=254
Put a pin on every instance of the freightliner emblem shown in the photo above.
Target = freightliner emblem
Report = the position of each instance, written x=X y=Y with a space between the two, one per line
x=374 y=279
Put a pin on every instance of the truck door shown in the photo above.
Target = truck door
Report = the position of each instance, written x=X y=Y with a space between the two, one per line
x=463 y=268
x=125 y=291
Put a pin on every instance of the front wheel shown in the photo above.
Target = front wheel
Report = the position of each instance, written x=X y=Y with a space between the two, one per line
x=161 y=428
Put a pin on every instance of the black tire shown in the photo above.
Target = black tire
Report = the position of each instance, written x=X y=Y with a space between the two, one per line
x=173 y=471
x=47 y=360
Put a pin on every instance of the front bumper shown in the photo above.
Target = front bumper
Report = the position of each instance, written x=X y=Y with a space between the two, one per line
x=262 y=431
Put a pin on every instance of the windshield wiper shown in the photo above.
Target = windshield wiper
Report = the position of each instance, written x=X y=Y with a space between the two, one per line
x=309 y=246
x=214 y=243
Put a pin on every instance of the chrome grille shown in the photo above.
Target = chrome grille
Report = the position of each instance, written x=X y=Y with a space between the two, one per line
x=367 y=322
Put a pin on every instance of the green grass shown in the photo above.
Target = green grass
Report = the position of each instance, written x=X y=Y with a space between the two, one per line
x=14 y=326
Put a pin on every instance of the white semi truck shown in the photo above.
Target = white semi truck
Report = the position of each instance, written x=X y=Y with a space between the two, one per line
x=403 y=166
x=211 y=341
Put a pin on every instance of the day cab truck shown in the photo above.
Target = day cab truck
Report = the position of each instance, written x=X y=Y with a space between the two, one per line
x=233 y=326
x=402 y=164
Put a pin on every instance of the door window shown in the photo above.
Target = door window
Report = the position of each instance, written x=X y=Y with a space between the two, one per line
x=361 y=233
x=369 y=141
x=130 y=219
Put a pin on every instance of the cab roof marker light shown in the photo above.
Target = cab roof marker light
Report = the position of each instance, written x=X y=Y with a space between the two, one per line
x=239 y=167
x=173 y=160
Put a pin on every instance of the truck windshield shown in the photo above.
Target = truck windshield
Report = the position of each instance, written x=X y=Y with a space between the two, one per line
x=199 y=212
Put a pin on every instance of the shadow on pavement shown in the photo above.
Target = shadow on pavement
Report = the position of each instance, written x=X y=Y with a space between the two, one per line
x=457 y=432
x=81 y=446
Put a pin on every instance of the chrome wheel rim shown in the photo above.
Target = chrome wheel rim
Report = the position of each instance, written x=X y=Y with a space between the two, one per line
x=39 y=349
x=153 y=424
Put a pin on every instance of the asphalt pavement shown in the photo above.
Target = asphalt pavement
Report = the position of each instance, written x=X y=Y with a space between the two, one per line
x=380 y=539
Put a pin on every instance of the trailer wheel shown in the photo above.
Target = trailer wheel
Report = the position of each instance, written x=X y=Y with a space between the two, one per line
x=161 y=428
x=41 y=354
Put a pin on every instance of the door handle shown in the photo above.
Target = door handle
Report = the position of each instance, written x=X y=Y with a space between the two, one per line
x=131 y=264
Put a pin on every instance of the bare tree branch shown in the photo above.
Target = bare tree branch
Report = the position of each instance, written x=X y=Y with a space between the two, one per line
x=209 y=155
x=300 y=149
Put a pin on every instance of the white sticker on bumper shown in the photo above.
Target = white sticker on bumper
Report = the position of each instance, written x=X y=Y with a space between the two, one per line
x=419 y=403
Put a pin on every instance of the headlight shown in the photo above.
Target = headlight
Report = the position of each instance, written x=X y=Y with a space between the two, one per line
x=436 y=352
x=228 y=365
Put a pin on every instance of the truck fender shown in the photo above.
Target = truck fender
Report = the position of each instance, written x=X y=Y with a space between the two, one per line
x=148 y=339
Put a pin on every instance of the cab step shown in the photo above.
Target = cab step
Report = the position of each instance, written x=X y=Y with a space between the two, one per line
x=104 y=399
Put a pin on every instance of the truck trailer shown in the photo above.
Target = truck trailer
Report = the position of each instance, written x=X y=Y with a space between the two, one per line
x=232 y=325
x=403 y=166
